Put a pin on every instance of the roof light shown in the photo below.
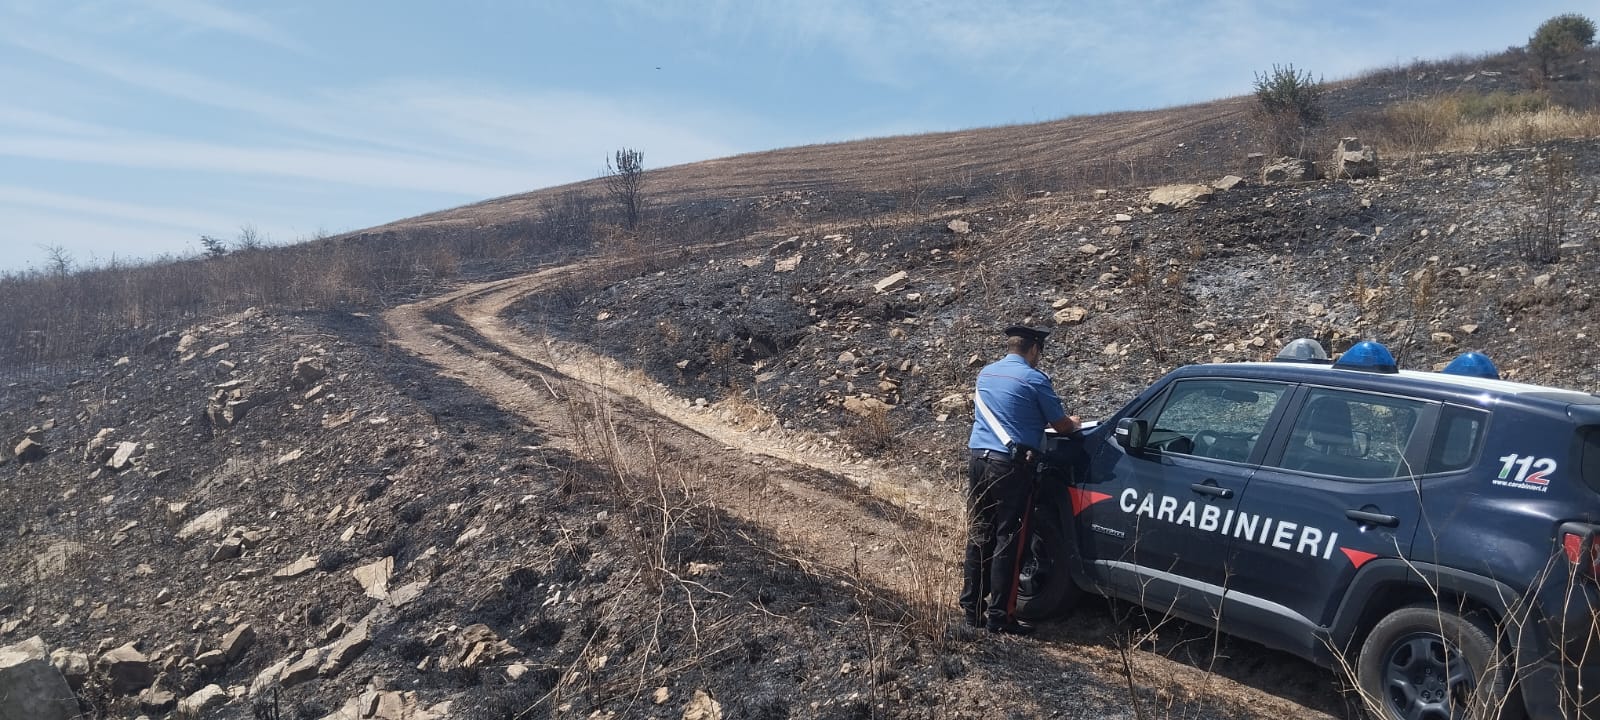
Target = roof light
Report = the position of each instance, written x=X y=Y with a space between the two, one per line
x=1472 y=364
x=1303 y=350
x=1368 y=356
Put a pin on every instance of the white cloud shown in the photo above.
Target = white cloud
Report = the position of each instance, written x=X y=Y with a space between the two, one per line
x=209 y=16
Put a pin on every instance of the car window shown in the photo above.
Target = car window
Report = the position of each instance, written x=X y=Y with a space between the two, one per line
x=1220 y=419
x=1590 y=462
x=1353 y=435
x=1457 y=439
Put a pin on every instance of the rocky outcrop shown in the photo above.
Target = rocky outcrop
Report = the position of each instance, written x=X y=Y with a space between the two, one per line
x=1352 y=161
x=1176 y=197
x=1288 y=170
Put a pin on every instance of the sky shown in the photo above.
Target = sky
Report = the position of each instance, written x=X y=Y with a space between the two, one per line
x=130 y=128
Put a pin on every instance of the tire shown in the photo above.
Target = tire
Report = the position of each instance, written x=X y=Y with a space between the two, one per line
x=1427 y=663
x=1045 y=588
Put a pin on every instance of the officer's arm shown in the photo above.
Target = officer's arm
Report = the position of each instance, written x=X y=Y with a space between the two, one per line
x=1067 y=424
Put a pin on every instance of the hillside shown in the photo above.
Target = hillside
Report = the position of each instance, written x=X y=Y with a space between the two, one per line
x=713 y=470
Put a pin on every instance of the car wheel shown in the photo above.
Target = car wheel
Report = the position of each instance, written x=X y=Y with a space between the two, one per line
x=1427 y=663
x=1045 y=587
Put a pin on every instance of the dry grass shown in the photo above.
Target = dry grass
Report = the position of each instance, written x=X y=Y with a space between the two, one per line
x=1480 y=122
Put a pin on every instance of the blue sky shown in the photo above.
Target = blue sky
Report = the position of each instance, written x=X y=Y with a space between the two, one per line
x=129 y=128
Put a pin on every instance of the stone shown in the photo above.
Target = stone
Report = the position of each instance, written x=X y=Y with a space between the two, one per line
x=959 y=227
x=208 y=523
x=31 y=688
x=374 y=577
x=484 y=647
x=229 y=549
x=123 y=455
x=1071 y=315
x=1089 y=248
x=1352 y=161
x=1228 y=182
x=893 y=282
x=702 y=707
x=306 y=372
x=203 y=701
x=1443 y=338
x=28 y=451
x=128 y=669
x=346 y=650
x=297 y=568
x=157 y=701
x=1542 y=280
x=265 y=679
x=788 y=264
x=1288 y=170
x=661 y=695
x=516 y=671
x=214 y=349
x=210 y=659
x=74 y=666
x=1177 y=197
x=302 y=669
x=1469 y=328
x=95 y=451
x=865 y=407
x=164 y=341
x=185 y=344
x=1122 y=218
x=238 y=642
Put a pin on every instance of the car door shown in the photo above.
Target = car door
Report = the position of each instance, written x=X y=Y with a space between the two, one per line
x=1336 y=490
x=1149 y=520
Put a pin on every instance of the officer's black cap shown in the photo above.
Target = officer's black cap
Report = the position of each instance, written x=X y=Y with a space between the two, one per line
x=1023 y=331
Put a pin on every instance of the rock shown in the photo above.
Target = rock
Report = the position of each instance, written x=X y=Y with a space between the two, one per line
x=1228 y=182
x=29 y=451
x=214 y=349
x=484 y=647
x=302 y=669
x=123 y=455
x=265 y=679
x=865 y=407
x=161 y=343
x=787 y=264
x=1541 y=280
x=203 y=701
x=959 y=227
x=1122 y=218
x=95 y=451
x=1443 y=338
x=156 y=701
x=784 y=246
x=185 y=344
x=1351 y=161
x=1287 y=170
x=660 y=695
x=128 y=669
x=74 y=666
x=210 y=659
x=1089 y=248
x=953 y=403
x=406 y=594
x=1176 y=197
x=297 y=568
x=238 y=642
x=230 y=548
x=1469 y=328
x=847 y=357
x=374 y=577
x=306 y=372
x=516 y=671
x=31 y=687
x=346 y=650
x=1071 y=315
x=892 y=282
x=702 y=707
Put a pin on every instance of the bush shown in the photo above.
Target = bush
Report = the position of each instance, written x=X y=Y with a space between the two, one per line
x=1560 y=37
x=1290 y=104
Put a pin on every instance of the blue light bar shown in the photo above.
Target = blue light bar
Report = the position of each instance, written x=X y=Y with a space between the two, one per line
x=1368 y=356
x=1472 y=364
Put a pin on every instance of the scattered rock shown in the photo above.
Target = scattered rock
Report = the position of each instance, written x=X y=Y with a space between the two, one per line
x=865 y=407
x=788 y=264
x=238 y=642
x=128 y=669
x=1288 y=170
x=302 y=669
x=1071 y=315
x=74 y=666
x=1352 y=161
x=29 y=451
x=346 y=650
x=1176 y=197
x=1228 y=182
x=203 y=701
x=157 y=701
x=214 y=349
x=297 y=568
x=702 y=707
x=374 y=577
x=660 y=696
x=123 y=455
x=892 y=282
x=1122 y=217
x=306 y=372
x=959 y=227
x=484 y=647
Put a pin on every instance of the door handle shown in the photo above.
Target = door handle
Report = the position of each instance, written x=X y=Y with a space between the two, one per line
x=1372 y=518
x=1212 y=490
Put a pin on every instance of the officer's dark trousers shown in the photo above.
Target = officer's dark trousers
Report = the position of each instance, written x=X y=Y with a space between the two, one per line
x=997 y=498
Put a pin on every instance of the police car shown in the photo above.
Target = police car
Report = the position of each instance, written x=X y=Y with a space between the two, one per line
x=1438 y=534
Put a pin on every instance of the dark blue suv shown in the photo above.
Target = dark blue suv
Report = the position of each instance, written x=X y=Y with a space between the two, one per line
x=1435 y=535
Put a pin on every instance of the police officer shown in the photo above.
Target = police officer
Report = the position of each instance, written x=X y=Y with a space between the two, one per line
x=1014 y=403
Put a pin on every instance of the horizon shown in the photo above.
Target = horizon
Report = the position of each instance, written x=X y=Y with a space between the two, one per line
x=138 y=128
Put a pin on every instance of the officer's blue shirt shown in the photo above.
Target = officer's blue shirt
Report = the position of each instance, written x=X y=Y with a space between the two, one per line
x=1021 y=398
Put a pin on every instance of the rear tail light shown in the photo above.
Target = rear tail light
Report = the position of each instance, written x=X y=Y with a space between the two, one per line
x=1581 y=543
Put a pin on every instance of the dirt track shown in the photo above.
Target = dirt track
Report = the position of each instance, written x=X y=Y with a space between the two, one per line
x=855 y=517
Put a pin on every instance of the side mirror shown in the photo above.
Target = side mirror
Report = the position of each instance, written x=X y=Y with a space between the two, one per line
x=1133 y=434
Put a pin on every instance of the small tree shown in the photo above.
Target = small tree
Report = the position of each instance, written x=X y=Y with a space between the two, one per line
x=1558 y=38
x=1289 y=106
x=625 y=183
x=214 y=247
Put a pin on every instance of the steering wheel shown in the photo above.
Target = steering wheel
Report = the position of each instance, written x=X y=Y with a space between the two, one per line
x=1205 y=440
